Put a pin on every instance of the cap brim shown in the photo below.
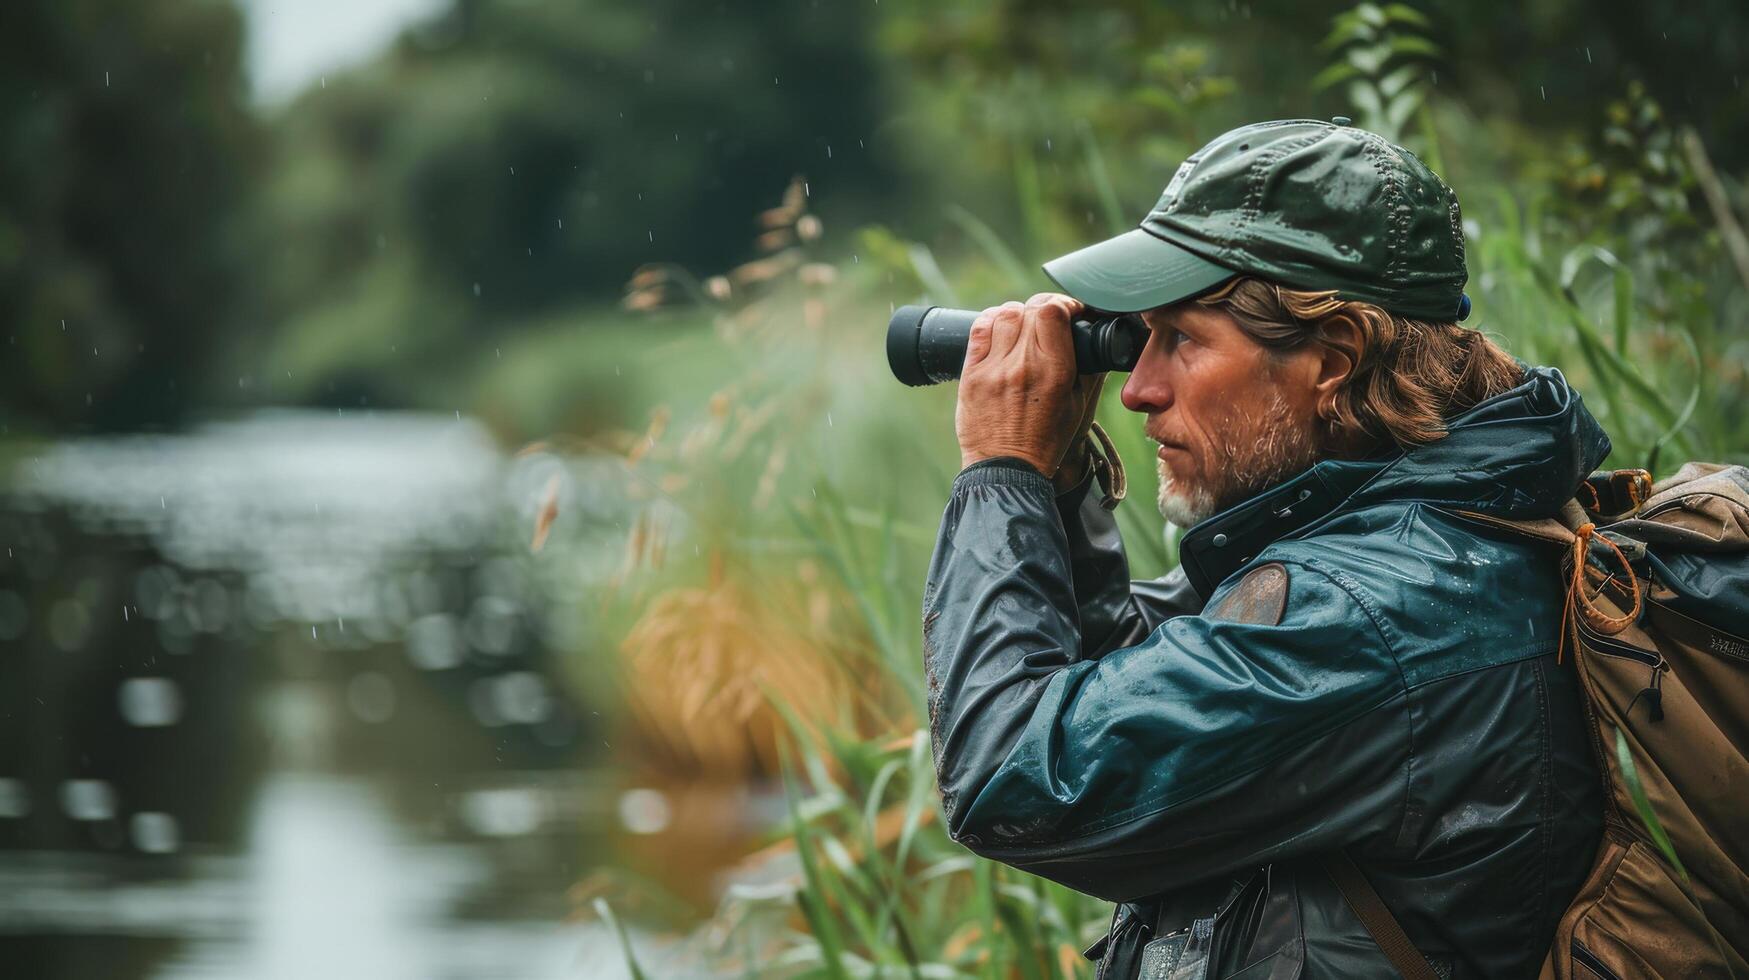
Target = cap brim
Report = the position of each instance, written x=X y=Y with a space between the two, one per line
x=1133 y=272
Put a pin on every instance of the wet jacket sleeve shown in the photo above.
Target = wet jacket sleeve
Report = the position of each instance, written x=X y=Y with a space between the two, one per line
x=1206 y=747
x=1114 y=610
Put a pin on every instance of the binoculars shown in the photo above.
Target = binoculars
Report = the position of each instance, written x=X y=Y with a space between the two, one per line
x=927 y=344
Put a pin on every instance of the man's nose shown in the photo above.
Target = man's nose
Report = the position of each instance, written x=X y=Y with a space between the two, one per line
x=1146 y=389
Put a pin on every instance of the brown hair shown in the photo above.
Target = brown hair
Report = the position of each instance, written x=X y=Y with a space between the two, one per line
x=1409 y=378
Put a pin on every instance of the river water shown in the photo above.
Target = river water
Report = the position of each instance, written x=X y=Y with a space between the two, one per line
x=291 y=696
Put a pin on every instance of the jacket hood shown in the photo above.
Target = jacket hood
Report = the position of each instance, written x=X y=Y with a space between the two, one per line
x=1520 y=455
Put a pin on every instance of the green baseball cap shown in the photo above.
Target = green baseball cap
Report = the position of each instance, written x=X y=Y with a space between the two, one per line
x=1308 y=204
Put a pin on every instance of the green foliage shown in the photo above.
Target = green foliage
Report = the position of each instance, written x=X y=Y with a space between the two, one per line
x=510 y=161
x=1383 y=56
x=884 y=892
x=125 y=166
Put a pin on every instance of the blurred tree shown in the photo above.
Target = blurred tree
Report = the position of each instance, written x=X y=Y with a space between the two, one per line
x=124 y=167
x=510 y=159
x=1555 y=63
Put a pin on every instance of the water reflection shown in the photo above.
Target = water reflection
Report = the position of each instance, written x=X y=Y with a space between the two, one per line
x=279 y=698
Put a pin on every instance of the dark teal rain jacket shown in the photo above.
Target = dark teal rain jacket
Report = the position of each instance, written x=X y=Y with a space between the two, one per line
x=1166 y=741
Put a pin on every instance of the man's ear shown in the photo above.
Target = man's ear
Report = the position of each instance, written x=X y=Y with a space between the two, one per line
x=1338 y=356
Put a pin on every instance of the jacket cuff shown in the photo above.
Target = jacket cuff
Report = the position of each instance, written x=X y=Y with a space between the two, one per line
x=1003 y=471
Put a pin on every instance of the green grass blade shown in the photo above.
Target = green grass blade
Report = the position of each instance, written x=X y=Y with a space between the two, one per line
x=922 y=776
x=993 y=247
x=1688 y=407
x=603 y=910
x=1637 y=791
x=1624 y=308
x=984 y=904
x=1101 y=177
x=811 y=896
x=929 y=273
x=1031 y=197
x=1643 y=805
x=1024 y=938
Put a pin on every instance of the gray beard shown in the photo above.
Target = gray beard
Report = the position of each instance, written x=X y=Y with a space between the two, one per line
x=1241 y=470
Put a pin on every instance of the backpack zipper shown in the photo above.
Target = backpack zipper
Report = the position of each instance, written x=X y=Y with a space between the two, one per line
x=1589 y=960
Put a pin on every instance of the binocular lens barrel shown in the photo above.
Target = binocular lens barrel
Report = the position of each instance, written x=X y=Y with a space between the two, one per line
x=927 y=344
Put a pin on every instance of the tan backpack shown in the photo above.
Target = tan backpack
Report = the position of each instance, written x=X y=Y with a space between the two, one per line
x=1668 y=696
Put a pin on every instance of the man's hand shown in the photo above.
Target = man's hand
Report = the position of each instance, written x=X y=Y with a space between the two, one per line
x=1019 y=392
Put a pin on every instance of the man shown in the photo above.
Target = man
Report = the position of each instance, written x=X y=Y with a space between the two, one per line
x=1346 y=671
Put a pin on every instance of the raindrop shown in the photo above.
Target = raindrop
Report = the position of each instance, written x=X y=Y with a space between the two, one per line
x=476 y=289
x=1588 y=55
x=1544 y=90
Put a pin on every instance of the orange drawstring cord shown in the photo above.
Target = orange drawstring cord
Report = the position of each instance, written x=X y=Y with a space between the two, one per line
x=1579 y=603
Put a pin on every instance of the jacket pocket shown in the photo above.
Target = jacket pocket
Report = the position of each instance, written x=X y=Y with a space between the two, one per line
x=1260 y=934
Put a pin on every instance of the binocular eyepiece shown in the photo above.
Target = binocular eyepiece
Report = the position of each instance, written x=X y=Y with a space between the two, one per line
x=927 y=344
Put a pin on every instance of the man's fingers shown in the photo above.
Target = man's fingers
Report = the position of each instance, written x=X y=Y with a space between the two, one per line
x=1048 y=316
x=1005 y=327
x=978 y=342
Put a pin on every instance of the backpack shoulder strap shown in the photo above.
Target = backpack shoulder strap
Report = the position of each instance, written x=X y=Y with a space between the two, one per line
x=1377 y=917
x=1554 y=530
